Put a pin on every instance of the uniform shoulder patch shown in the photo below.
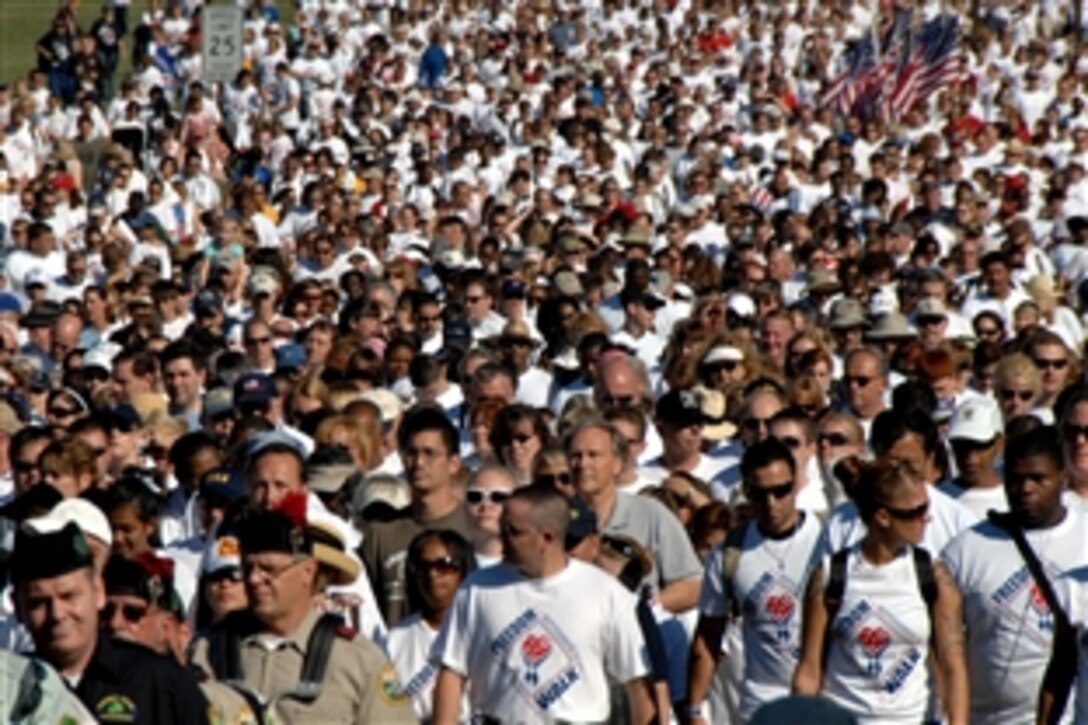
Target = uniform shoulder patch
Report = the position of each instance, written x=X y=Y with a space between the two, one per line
x=115 y=709
x=389 y=686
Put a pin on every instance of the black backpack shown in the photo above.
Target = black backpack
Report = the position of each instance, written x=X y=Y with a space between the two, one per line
x=836 y=584
x=225 y=659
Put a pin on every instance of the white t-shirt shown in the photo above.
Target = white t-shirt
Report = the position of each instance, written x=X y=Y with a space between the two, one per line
x=768 y=586
x=1072 y=592
x=977 y=500
x=948 y=520
x=878 y=642
x=1009 y=625
x=537 y=650
x=410 y=643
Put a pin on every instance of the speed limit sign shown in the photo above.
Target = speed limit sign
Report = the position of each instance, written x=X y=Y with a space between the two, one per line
x=222 y=33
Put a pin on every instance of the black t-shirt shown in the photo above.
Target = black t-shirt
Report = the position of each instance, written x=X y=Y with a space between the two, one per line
x=127 y=682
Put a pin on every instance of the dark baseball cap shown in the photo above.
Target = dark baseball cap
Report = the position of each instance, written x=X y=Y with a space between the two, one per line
x=648 y=300
x=582 y=525
x=682 y=407
x=226 y=483
x=255 y=389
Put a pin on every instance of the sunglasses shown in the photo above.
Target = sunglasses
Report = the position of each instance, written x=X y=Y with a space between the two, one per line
x=861 y=381
x=762 y=494
x=443 y=565
x=229 y=574
x=789 y=442
x=914 y=514
x=476 y=496
x=1051 y=363
x=521 y=438
x=834 y=439
x=1074 y=432
x=133 y=613
x=722 y=367
x=553 y=479
x=619 y=546
x=1024 y=395
x=63 y=412
x=620 y=401
x=258 y=341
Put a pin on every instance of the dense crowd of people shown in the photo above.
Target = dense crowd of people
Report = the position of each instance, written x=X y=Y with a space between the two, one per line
x=601 y=362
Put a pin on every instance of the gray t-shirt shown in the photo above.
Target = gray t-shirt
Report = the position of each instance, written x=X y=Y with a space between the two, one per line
x=655 y=527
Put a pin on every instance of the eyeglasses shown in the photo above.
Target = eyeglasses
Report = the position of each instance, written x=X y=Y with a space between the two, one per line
x=268 y=572
x=443 y=565
x=619 y=400
x=476 y=496
x=762 y=494
x=722 y=367
x=229 y=574
x=254 y=341
x=133 y=613
x=834 y=439
x=913 y=514
x=553 y=479
x=1050 y=363
x=1024 y=395
x=1074 y=432
x=862 y=381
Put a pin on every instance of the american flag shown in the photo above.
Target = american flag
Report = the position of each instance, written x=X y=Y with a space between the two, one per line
x=934 y=62
x=909 y=70
x=859 y=69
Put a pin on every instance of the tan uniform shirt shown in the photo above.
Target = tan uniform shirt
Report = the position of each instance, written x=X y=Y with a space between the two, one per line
x=360 y=685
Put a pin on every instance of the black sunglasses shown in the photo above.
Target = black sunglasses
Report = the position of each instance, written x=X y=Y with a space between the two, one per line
x=443 y=565
x=475 y=496
x=914 y=514
x=1024 y=395
x=553 y=479
x=1074 y=432
x=762 y=494
x=621 y=547
x=1053 y=363
x=132 y=613
x=230 y=573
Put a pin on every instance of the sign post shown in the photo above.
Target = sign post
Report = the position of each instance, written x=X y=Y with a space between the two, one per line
x=222 y=34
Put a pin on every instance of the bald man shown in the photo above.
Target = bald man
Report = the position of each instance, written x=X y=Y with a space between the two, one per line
x=624 y=382
x=537 y=634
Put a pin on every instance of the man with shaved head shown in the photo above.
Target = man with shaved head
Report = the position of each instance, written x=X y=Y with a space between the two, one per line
x=536 y=634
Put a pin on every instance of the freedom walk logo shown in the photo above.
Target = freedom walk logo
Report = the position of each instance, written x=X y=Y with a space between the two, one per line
x=544 y=663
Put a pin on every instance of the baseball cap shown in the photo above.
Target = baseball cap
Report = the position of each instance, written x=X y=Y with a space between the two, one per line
x=741 y=304
x=218 y=402
x=290 y=357
x=977 y=420
x=723 y=353
x=682 y=407
x=207 y=303
x=381 y=489
x=225 y=483
x=255 y=389
x=386 y=401
x=648 y=300
x=84 y=514
x=223 y=553
x=124 y=418
x=582 y=525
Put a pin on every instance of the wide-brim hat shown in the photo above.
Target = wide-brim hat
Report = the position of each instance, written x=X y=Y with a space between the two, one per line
x=717 y=427
x=329 y=547
x=891 y=326
x=846 y=314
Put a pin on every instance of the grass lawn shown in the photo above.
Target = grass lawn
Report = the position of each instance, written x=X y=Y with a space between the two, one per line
x=22 y=22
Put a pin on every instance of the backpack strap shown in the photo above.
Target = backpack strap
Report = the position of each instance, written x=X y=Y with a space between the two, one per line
x=734 y=542
x=319 y=648
x=927 y=582
x=834 y=589
x=225 y=654
x=836 y=584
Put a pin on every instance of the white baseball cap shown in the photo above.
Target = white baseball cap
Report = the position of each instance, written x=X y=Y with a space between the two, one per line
x=976 y=419
x=84 y=514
